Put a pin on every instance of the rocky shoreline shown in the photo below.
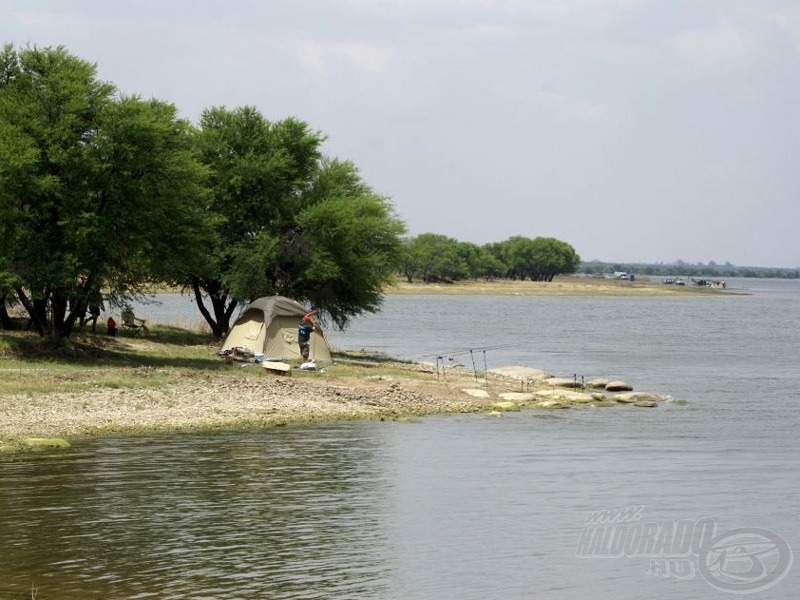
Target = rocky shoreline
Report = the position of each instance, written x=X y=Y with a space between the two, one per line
x=208 y=402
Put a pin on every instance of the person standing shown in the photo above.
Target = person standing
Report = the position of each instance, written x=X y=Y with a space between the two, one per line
x=304 y=331
x=94 y=311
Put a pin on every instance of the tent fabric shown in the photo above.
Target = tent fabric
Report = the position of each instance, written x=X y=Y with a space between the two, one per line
x=269 y=325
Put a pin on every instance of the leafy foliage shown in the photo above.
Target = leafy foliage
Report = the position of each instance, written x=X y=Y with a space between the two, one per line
x=290 y=221
x=97 y=191
x=434 y=257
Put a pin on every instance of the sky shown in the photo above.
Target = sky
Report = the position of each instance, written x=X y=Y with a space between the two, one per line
x=635 y=130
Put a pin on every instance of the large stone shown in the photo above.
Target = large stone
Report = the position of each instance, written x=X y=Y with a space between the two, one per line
x=517 y=396
x=646 y=403
x=551 y=404
x=505 y=406
x=598 y=382
x=46 y=443
x=618 y=386
x=521 y=373
x=564 y=382
x=566 y=395
x=632 y=397
x=477 y=393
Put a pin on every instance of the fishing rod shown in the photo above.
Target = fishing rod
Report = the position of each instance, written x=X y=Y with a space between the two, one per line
x=465 y=351
x=471 y=351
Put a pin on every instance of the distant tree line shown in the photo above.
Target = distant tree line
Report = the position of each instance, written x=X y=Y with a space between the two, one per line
x=431 y=257
x=688 y=270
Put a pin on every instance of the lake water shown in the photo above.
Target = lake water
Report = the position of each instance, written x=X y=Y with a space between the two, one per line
x=465 y=506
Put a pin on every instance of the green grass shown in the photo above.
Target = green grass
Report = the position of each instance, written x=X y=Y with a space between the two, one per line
x=164 y=355
x=32 y=365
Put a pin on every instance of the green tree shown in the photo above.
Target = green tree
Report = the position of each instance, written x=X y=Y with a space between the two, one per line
x=438 y=258
x=517 y=253
x=290 y=221
x=538 y=259
x=97 y=190
x=552 y=257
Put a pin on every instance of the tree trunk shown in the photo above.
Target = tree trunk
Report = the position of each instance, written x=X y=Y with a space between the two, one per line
x=33 y=311
x=222 y=306
x=5 y=319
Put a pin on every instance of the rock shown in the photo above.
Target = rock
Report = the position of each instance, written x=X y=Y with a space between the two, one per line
x=517 y=396
x=618 y=386
x=622 y=399
x=476 y=393
x=523 y=373
x=505 y=406
x=599 y=382
x=551 y=404
x=46 y=443
x=679 y=403
x=646 y=403
x=632 y=397
x=566 y=395
x=564 y=382
x=495 y=413
x=405 y=419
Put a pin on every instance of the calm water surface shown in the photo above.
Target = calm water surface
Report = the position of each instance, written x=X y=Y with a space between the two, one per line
x=452 y=507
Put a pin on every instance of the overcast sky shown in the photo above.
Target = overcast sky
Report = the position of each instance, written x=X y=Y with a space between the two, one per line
x=635 y=130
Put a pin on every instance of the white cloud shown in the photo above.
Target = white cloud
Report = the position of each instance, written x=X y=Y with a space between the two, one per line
x=725 y=46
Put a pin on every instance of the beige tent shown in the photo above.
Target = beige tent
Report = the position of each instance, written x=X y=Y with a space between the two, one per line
x=269 y=325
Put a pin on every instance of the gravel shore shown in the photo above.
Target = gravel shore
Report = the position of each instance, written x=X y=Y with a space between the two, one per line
x=205 y=403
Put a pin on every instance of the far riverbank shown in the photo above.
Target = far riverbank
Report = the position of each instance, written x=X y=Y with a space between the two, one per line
x=560 y=286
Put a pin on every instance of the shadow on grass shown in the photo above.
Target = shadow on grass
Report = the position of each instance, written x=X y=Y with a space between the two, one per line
x=191 y=350
x=167 y=334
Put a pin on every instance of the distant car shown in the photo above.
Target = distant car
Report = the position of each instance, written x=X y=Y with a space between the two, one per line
x=668 y=280
x=680 y=282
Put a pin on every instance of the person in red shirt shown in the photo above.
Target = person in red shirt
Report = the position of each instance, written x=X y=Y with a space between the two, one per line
x=112 y=326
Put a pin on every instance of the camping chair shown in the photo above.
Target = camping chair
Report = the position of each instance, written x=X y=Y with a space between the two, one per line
x=130 y=321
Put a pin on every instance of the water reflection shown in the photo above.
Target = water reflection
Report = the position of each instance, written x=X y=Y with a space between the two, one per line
x=275 y=513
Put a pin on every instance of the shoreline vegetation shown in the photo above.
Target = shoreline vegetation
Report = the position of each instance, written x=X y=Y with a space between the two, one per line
x=173 y=380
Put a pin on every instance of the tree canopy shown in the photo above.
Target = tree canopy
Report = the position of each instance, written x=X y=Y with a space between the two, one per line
x=97 y=190
x=289 y=221
x=433 y=257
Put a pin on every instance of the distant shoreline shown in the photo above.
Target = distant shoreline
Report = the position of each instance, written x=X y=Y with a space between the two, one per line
x=560 y=286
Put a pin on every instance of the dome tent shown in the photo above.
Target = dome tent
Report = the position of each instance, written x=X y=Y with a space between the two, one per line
x=269 y=325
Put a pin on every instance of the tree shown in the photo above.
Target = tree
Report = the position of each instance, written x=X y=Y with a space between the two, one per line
x=538 y=259
x=518 y=254
x=97 y=190
x=353 y=241
x=552 y=257
x=289 y=221
x=437 y=258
